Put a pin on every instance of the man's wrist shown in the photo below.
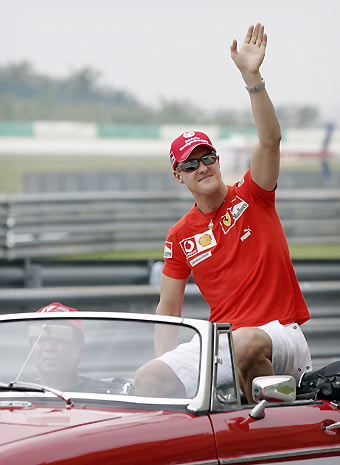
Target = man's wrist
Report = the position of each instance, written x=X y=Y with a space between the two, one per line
x=256 y=87
x=252 y=79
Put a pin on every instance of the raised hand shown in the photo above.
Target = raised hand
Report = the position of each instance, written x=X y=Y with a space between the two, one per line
x=251 y=54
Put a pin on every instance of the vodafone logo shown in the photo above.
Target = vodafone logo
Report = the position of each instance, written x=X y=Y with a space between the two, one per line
x=198 y=243
x=188 y=134
x=188 y=246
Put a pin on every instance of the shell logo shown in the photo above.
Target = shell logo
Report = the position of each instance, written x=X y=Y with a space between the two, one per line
x=205 y=240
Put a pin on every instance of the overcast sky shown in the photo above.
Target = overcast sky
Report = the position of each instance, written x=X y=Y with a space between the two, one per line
x=180 y=48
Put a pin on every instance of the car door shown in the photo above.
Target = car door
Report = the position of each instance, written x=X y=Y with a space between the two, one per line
x=294 y=433
x=301 y=430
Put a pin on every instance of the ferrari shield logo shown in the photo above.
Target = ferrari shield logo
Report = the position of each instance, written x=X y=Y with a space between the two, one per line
x=226 y=219
x=233 y=213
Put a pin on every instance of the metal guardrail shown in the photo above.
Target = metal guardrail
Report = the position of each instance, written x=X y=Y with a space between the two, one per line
x=26 y=273
x=125 y=286
x=32 y=226
x=322 y=331
x=36 y=226
x=45 y=273
x=100 y=181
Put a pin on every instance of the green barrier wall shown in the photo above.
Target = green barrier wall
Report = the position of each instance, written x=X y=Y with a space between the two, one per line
x=128 y=131
x=23 y=128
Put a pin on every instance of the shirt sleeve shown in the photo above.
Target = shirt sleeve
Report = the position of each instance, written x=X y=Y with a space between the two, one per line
x=175 y=265
x=257 y=192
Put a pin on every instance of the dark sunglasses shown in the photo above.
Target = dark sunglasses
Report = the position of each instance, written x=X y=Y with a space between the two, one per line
x=192 y=165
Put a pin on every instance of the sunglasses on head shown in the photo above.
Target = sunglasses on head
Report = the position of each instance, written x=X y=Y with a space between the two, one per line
x=192 y=165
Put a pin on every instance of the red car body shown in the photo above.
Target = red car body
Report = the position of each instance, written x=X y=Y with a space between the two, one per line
x=36 y=428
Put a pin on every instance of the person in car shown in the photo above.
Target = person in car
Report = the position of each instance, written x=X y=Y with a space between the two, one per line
x=233 y=243
x=58 y=348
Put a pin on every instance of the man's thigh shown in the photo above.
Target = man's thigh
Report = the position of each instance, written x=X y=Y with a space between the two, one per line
x=184 y=361
x=290 y=351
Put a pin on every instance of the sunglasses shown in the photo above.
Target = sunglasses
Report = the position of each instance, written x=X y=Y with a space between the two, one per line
x=38 y=331
x=192 y=165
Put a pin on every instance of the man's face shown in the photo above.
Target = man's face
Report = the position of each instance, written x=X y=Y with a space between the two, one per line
x=206 y=179
x=57 y=351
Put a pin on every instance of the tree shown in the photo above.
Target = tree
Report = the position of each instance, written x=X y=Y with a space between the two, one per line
x=299 y=116
x=26 y=94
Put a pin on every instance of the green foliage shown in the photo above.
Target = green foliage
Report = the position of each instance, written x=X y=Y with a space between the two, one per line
x=26 y=94
x=174 y=111
x=298 y=116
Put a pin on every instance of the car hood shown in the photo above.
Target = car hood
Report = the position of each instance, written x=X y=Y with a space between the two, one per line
x=26 y=422
x=91 y=434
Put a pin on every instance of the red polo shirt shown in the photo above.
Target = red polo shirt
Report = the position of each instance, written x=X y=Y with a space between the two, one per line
x=242 y=266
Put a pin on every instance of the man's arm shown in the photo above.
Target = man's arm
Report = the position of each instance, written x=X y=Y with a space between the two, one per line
x=170 y=304
x=265 y=163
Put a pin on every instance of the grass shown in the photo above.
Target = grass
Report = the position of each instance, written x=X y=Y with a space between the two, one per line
x=308 y=165
x=107 y=256
x=312 y=252
x=13 y=168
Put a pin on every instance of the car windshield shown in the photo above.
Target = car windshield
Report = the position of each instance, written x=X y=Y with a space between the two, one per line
x=99 y=356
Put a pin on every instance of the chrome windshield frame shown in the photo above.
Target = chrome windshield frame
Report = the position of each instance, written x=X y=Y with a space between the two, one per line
x=202 y=400
x=218 y=329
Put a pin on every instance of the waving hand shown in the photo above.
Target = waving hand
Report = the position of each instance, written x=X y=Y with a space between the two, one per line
x=265 y=160
x=251 y=54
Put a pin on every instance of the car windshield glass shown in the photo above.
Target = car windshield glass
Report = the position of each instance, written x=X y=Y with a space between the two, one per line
x=98 y=356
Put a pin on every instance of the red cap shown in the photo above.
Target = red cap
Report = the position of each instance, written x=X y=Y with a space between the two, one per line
x=182 y=147
x=58 y=307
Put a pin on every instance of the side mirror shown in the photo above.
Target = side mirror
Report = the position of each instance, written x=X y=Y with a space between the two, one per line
x=280 y=388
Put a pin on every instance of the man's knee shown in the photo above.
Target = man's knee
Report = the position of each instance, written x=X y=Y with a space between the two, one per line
x=146 y=380
x=252 y=346
x=156 y=379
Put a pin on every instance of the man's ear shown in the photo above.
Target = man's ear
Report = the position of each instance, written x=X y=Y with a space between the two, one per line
x=178 y=177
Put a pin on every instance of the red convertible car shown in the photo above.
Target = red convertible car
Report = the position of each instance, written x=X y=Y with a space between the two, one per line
x=68 y=396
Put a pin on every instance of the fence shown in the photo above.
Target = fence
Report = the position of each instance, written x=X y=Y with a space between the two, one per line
x=36 y=225
x=99 y=181
x=323 y=300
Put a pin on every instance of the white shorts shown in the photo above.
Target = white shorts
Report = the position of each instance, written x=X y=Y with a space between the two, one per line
x=290 y=356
